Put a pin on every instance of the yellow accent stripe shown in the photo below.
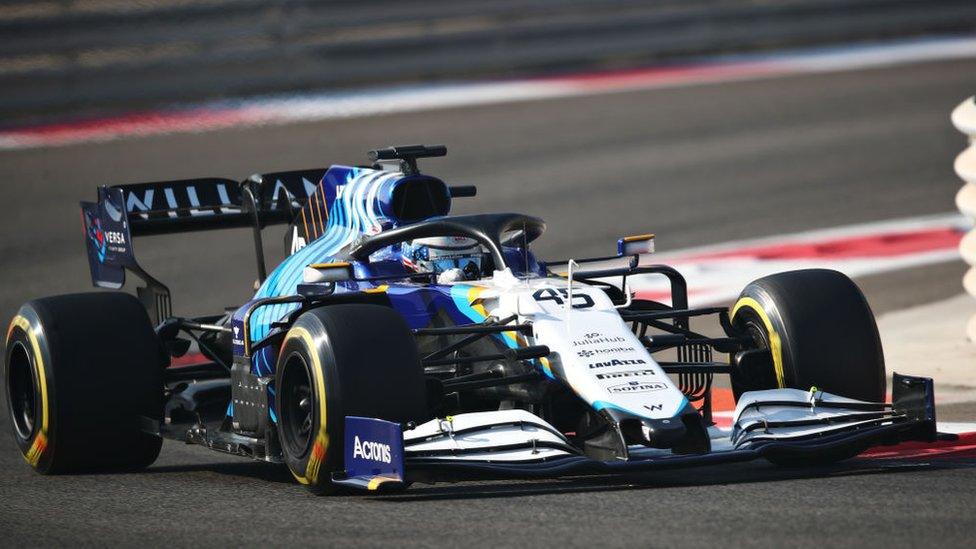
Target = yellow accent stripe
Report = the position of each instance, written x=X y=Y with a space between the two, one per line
x=377 y=290
x=331 y=265
x=308 y=236
x=638 y=237
x=321 y=445
x=311 y=215
x=375 y=482
x=36 y=450
x=775 y=344
x=473 y=299
x=545 y=365
x=476 y=303
x=318 y=208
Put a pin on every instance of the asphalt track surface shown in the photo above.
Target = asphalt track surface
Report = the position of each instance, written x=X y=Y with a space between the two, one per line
x=696 y=165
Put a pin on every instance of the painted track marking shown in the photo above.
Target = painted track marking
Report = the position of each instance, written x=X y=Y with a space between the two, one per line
x=717 y=273
x=279 y=110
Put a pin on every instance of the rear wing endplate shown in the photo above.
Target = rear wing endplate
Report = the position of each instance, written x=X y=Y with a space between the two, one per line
x=122 y=212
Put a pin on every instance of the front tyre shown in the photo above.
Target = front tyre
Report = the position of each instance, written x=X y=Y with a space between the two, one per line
x=338 y=361
x=82 y=372
x=819 y=331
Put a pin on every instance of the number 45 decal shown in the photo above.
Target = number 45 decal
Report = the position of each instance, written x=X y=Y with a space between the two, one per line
x=580 y=300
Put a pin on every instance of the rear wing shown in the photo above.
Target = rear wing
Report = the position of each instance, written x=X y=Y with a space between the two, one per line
x=213 y=203
x=122 y=212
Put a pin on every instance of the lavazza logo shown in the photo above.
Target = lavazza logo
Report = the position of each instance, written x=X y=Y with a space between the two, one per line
x=617 y=362
x=596 y=338
x=374 y=451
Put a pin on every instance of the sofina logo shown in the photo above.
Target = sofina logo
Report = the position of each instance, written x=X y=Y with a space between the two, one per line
x=637 y=387
x=370 y=450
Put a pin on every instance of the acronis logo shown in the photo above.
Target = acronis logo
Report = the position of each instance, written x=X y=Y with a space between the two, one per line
x=375 y=451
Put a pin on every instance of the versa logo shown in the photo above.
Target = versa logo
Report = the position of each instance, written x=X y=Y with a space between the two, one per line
x=114 y=237
x=370 y=450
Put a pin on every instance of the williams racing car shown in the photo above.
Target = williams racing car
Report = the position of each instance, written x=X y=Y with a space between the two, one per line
x=396 y=343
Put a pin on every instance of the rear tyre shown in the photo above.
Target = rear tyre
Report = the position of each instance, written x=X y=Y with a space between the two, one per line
x=819 y=330
x=338 y=361
x=81 y=372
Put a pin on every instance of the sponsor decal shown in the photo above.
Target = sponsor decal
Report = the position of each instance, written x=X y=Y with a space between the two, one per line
x=617 y=362
x=142 y=205
x=587 y=353
x=97 y=236
x=297 y=241
x=114 y=237
x=375 y=451
x=637 y=387
x=559 y=296
x=103 y=241
x=204 y=197
x=237 y=340
x=632 y=373
x=596 y=338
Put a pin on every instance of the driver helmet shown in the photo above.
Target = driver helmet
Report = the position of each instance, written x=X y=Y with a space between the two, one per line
x=457 y=255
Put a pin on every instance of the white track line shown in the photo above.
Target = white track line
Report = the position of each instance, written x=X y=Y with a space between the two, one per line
x=717 y=273
x=374 y=102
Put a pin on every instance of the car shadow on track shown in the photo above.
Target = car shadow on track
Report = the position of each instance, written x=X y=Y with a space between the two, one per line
x=267 y=472
x=743 y=473
x=704 y=476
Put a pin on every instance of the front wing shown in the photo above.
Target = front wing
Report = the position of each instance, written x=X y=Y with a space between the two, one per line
x=782 y=425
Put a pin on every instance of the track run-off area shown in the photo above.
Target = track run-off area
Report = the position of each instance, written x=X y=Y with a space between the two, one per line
x=846 y=166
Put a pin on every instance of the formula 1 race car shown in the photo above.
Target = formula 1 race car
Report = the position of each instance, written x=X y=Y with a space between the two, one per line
x=396 y=343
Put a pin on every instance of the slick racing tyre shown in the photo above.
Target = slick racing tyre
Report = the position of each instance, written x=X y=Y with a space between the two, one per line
x=338 y=361
x=82 y=372
x=819 y=330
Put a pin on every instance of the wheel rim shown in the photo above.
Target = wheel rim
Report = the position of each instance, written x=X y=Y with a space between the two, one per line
x=750 y=322
x=22 y=394
x=296 y=406
x=754 y=326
